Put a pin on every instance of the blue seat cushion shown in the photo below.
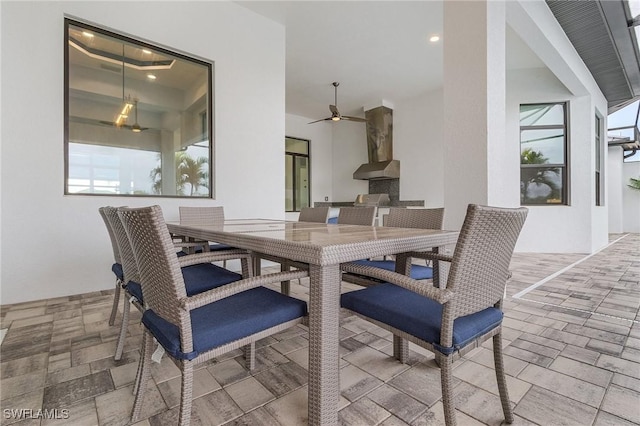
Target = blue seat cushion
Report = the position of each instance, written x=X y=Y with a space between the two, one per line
x=214 y=247
x=333 y=220
x=227 y=320
x=417 y=315
x=218 y=247
x=197 y=279
x=418 y=272
x=116 y=268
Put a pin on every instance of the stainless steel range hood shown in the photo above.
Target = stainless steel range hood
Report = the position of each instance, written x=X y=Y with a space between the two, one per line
x=378 y=170
x=381 y=164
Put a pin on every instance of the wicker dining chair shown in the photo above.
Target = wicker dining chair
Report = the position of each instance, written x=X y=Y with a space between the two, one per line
x=213 y=215
x=116 y=268
x=403 y=218
x=195 y=329
x=314 y=214
x=199 y=273
x=357 y=216
x=453 y=320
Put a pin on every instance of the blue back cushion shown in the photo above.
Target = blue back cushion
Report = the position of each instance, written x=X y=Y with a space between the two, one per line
x=417 y=315
x=205 y=276
x=197 y=279
x=116 y=268
x=333 y=220
x=135 y=289
x=227 y=320
x=418 y=272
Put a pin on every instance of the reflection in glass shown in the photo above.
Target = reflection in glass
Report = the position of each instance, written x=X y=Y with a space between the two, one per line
x=297 y=191
x=542 y=115
x=541 y=185
x=543 y=154
x=138 y=117
x=549 y=143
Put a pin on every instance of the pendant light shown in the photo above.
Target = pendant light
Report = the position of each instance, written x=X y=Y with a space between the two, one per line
x=126 y=102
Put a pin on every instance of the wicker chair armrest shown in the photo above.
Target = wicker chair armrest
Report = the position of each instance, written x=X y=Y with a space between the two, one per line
x=428 y=255
x=439 y=295
x=212 y=256
x=213 y=295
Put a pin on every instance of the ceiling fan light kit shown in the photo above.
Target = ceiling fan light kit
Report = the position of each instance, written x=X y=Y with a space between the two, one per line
x=335 y=114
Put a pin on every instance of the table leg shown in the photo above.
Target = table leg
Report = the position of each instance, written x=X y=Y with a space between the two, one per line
x=400 y=345
x=285 y=286
x=257 y=265
x=324 y=372
x=436 y=269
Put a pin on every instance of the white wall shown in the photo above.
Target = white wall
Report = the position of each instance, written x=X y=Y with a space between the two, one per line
x=321 y=147
x=631 y=197
x=349 y=152
x=59 y=245
x=613 y=187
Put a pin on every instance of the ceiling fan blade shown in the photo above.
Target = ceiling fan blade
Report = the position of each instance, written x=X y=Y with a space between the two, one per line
x=334 y=110
x=346 y=117
x=322 y=119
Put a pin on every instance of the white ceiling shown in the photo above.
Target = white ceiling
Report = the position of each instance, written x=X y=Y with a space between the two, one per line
x=377 y=50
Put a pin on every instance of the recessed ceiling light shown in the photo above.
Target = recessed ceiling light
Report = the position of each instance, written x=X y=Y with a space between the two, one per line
x=434 y=38
x=151 y=76
x=147 y=51
x=87 y=34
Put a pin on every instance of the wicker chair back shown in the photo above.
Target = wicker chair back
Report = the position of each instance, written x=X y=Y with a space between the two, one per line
x=314 y=214
x=357 y=216
x=129 y=265
x=160 y=275
x=415 y=218
x=480 y=265
x=201 y=215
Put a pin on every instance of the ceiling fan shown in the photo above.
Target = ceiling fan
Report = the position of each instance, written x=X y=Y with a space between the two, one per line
x=121 y=121
x=335 y=114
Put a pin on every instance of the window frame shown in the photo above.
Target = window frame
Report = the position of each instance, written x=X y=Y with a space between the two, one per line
x=209 y=112
x=293 y=165
x=565 y=169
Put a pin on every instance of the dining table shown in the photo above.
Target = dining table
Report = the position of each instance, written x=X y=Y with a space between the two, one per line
x=323 y=247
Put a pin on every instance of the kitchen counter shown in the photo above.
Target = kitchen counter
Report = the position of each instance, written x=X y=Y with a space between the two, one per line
x=399 y=203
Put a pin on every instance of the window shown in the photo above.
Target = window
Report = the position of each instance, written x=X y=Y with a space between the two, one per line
x=297 y=191
x=543 y=154
x=599 y=166
x=137 y=117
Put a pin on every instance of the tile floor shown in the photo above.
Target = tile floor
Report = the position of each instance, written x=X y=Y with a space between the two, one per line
x=572 y=355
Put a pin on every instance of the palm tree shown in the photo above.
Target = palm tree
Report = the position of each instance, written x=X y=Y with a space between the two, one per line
x=537 y=175
x=188 y=171
x=156 y=177
x=192 y=171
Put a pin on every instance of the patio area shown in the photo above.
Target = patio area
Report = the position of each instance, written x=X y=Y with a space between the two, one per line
x=572 y=356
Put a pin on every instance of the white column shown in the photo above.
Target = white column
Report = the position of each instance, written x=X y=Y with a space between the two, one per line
x=474 y=107
x=613 y=189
